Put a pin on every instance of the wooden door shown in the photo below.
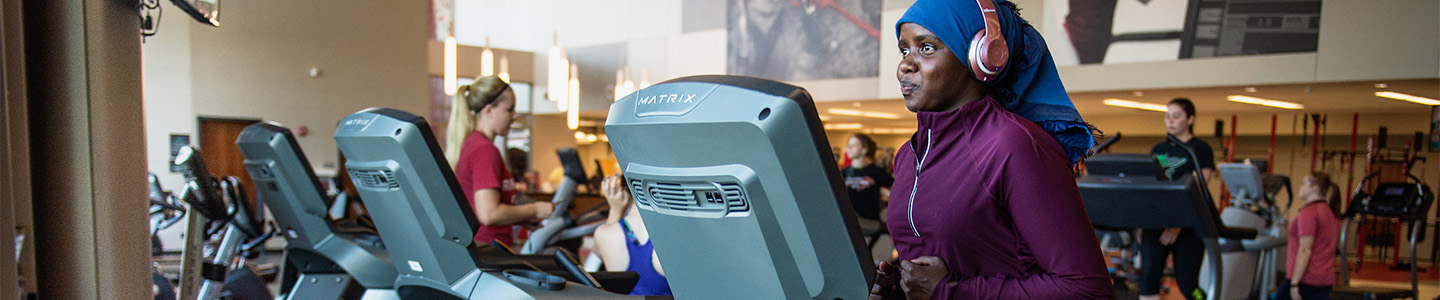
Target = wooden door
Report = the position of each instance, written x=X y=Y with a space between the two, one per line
x=222 y=157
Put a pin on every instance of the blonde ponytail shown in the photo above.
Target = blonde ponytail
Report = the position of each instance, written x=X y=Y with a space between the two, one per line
x=468 y=101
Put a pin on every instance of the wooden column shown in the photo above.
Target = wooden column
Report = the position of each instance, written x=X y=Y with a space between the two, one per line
x=87 y=148
x=14 y=155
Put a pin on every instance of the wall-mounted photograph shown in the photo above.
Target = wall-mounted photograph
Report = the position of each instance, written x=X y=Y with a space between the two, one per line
x=794 y=40
x=1125 y=31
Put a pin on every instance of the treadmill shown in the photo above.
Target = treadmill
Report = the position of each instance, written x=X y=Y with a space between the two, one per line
x=322 y=260
x=1140 y=199
x=416 y=203
x=1407 y=201
x=739 y=190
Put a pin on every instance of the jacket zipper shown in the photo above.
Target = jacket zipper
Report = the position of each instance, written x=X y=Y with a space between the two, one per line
x=919 y=163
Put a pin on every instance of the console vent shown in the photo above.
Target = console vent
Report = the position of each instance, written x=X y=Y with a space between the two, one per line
x=697 y=198
x=375 y=179
x=259 y=171
x=637 y=190
x=735 y=198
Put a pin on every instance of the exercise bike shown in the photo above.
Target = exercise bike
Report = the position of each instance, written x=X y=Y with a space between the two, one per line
x=165 y=211
x=220 y=235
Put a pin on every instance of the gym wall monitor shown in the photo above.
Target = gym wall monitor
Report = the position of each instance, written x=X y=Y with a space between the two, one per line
x=737 y=184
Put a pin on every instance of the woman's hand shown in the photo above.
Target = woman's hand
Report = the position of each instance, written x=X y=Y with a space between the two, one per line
x=615 y=192
x=886 y=277
x=543 y=210
x=1295 y=292
x=920 y=276
x=617 y=196
x=1169 y=236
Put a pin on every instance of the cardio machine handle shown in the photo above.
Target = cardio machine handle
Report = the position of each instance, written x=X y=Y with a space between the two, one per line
x=202 y=193
x=571 y=265
x=1204 y=187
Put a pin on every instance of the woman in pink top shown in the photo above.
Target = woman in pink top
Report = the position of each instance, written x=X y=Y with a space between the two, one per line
x=481 y=112
x=1313 y=235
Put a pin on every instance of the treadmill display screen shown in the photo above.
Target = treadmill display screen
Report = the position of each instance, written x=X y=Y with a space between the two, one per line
x=1395 y=191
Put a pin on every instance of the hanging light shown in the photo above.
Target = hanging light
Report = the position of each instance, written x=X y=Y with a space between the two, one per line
x=558 y=75
x=487 y=60
x=619 y=85
x=504 y=68
x=628 y=84
x=573 y=115
x=644 y=78
x=623 y=85
x=450 y=65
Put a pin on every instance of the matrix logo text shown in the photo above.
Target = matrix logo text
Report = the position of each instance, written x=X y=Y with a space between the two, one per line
x=667 y=98
x=360 y=122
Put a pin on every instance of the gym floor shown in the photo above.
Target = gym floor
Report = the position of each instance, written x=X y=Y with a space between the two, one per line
x=1379 y=274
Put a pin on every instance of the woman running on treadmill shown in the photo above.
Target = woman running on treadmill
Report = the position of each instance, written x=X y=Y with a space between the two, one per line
x=1314 y=234
x=984 y=204
x=624 y=244
x=863 y=181
x=1156 y=244
x=481 y=112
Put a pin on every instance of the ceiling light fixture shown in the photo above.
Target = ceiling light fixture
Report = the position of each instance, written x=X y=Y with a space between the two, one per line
x=558 y=76
x=504 y=68
x=843 y=126
x=450 y=85
x=573 y=115
x=1135 y=105
x=1265 y=102
x=624 y=86
x=644 y=78
x=1408 y=97
x=487 y=60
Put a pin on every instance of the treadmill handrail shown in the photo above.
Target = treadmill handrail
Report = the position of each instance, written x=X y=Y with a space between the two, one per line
x=1195 y=160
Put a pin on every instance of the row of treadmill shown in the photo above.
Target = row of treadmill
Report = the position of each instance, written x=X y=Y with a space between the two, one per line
x=736 y=182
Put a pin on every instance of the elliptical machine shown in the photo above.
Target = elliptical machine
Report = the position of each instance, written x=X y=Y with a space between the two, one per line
x=1409 y=202
x=396 y=164
x=323 y=260
x=211 y=272
x=561 y=226
x=1250 y=264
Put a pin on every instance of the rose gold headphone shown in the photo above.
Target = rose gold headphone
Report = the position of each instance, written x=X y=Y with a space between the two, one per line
x=988 y=51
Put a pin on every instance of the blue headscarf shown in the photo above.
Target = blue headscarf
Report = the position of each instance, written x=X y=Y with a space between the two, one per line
x=1029 y=86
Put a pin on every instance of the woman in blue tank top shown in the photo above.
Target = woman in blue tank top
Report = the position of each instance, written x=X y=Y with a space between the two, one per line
x=624 y=230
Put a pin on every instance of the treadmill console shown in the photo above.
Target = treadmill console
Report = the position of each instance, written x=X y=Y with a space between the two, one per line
x=740 y=192
x=1393 y=200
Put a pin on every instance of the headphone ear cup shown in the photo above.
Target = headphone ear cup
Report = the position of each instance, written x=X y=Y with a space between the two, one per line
x=977 y=64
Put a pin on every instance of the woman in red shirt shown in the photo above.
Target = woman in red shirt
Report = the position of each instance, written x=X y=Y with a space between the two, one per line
x=481 y=112
x=1313 y=235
